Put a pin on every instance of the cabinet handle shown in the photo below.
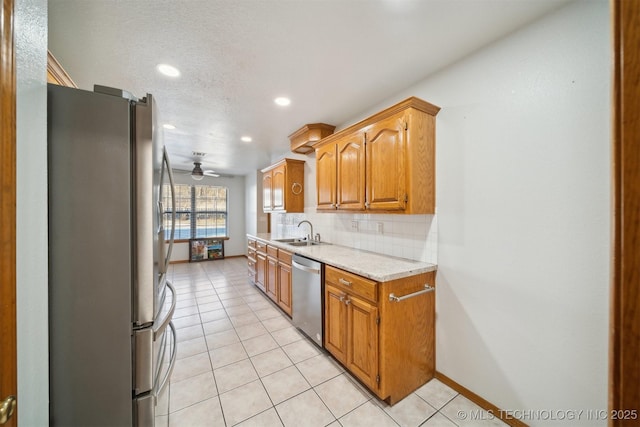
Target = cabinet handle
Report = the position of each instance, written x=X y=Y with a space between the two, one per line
x=366 y=205
x=347 y=301
x=426 y=289
x=344 y=282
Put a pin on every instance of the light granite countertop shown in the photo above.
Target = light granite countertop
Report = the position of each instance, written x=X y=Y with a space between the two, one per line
x=378 y=267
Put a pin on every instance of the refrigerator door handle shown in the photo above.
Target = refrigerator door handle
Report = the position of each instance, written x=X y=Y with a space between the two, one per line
x=174 y=351
x=165 y=159
x=159 y=327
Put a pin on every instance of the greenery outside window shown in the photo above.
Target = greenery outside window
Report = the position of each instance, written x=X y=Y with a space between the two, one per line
x=201 y=211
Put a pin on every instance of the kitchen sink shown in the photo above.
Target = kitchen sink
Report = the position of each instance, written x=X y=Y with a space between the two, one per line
x=297 y=241
x=303 y=243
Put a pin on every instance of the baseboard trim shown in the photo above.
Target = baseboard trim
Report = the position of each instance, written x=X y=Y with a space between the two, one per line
x=484 y=404
x=184 y=261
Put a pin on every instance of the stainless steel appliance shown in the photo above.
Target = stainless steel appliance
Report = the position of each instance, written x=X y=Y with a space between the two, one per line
x=112 y=345
x=307 y=279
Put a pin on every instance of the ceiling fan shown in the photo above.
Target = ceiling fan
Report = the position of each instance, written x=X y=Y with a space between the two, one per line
x=197 y=173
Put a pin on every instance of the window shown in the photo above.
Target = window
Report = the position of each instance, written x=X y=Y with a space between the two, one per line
x=201 y=211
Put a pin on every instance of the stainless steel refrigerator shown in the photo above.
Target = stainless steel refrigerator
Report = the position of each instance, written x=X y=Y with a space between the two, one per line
x=112 y=345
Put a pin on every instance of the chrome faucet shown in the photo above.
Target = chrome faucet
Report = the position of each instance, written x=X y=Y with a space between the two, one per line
x=309 y=236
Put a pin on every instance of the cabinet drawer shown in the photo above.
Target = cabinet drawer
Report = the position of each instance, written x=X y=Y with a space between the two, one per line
x=251 y=243
x=272 y=251
x=284 y=256
x=261 y=247
x=352 y=283
x=251 y=253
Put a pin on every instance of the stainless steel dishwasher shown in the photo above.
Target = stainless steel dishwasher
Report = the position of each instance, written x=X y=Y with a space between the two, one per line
x=308 y=275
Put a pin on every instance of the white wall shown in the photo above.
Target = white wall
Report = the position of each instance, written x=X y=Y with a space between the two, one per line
x=256 y=219
x=523 y=191
x=236 y=218
x=31 y=228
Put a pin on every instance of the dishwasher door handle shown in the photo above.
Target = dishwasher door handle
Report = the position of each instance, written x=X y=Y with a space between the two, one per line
x=305 y=268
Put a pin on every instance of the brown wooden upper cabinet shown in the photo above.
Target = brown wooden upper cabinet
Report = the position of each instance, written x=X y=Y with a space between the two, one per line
x=283 y=186
x=340 y=172
x=385 y=163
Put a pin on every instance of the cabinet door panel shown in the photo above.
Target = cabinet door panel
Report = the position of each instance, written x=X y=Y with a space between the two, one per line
x=326 y=176
x=335 y=321
x=272 y=278
x=386 y=171
x=261 y=270
x=284 y=287
x=351 y=172
x=278 y=187
x=362 y=348
x=267 y=184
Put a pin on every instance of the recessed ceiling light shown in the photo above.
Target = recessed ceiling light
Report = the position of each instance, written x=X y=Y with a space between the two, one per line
x=282 y=101
x=168 y=126
x=246 y=139
x=168 y=70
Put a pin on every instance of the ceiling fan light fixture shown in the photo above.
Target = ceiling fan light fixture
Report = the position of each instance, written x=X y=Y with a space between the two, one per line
x=246 y=139
x=197 y=173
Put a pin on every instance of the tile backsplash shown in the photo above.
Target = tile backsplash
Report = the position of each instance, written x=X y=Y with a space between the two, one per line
x=406 y=236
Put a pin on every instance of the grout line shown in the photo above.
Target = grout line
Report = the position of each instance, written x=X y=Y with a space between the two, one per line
x=234 y=282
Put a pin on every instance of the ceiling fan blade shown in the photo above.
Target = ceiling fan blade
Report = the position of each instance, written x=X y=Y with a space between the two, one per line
x=211 y=173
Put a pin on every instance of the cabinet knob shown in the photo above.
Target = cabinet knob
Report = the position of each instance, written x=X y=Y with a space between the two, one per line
x=347 y=301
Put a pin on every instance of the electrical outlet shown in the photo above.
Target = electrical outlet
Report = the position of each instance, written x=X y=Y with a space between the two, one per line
x=379 y=228
x=354 y=225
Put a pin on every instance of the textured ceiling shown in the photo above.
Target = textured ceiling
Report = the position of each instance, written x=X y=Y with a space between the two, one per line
x=333 y=58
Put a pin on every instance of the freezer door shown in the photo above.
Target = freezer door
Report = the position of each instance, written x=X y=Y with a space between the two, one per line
x=144 y=408
x=147 y=168
x=152 y=409
x=150 y=345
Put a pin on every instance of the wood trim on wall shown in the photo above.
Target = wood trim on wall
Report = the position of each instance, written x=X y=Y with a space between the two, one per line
x=8 y=343
x=56 y=74
x=484 y=404
x=624 y=346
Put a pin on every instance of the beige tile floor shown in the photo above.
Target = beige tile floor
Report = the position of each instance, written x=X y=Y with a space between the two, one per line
x=240 y=362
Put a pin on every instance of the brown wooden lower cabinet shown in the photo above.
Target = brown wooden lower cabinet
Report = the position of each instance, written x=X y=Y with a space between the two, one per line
x=284 y=281
x=388 y=345
x=270 y=270
x=251 y=263
x=271 y=284
x=261 y=270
